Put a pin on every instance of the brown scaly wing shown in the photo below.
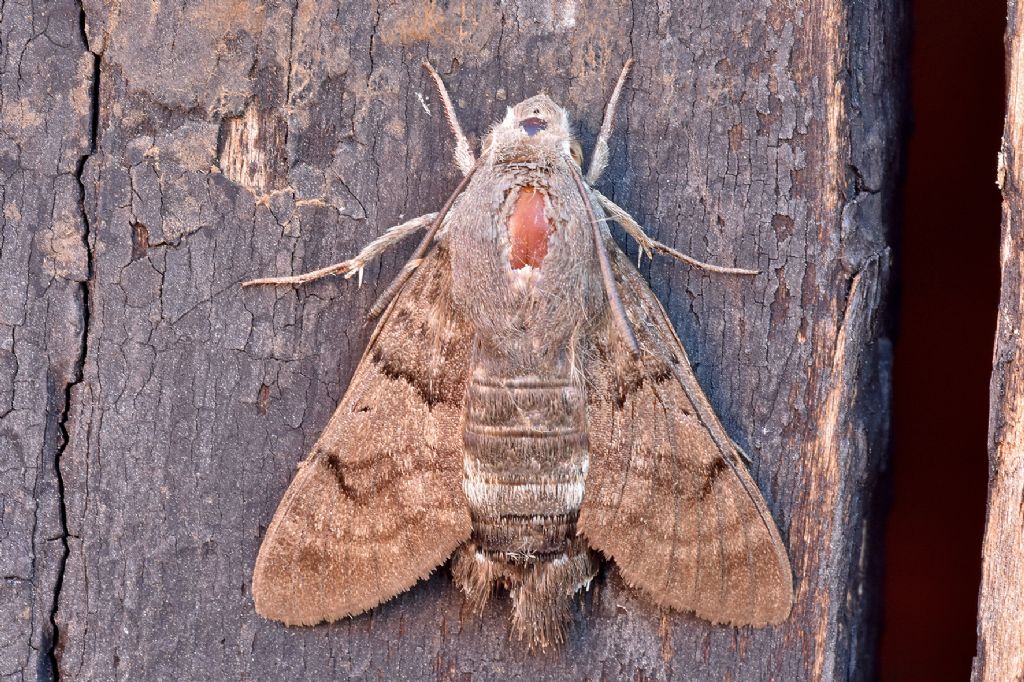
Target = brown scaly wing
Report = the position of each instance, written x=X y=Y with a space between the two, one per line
x=378 y=504
x=668 y=497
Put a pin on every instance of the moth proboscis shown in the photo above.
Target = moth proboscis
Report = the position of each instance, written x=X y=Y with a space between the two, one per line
x=523 y=406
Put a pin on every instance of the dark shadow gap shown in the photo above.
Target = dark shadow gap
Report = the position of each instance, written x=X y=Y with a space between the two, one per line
x=948 y=288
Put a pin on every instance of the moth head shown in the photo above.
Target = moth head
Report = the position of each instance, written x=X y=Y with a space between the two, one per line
x=533 y=130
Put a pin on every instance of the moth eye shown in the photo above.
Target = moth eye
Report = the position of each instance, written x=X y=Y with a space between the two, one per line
x=576 y=151
x=533 y=125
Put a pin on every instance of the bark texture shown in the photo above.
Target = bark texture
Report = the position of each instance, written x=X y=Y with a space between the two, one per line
x=46 y=95
x=246 y=138
x=1001 y=607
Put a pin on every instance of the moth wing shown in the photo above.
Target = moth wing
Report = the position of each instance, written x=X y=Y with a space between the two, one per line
x=378 y=504
x=667 y=496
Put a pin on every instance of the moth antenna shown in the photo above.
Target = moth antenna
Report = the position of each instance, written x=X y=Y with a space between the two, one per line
x=463 y=154
x=607 y=277
x=421 y=250
x=599 y=161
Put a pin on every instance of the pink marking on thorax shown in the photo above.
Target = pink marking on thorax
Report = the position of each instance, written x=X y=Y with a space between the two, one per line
x=528 y=229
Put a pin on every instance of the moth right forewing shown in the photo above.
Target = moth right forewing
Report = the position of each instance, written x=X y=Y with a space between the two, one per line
x=378 y=504
x=667 y=496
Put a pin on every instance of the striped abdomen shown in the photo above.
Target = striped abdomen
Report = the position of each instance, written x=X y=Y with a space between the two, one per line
x=525 y=469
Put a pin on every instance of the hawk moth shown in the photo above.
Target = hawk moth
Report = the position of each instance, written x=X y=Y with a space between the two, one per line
x=523 y=406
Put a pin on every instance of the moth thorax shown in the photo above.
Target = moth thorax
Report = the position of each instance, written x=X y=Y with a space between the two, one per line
x=528 y=229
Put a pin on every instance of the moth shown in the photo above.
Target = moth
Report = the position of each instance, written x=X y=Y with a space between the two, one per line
x=524 y=406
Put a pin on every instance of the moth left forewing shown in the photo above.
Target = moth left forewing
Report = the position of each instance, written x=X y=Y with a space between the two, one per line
x=378 y=504
x=667 y=496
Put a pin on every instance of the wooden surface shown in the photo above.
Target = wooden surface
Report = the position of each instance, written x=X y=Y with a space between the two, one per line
x=1001 y=606
x=243 y=139
x=45 y=132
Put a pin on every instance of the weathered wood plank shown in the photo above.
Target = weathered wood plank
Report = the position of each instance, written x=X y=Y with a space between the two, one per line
x=45 y=116
x=1001 y=607
x=246 y=138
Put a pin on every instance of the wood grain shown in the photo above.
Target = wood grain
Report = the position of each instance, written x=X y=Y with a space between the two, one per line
x=1001 y=606
x=242 y=139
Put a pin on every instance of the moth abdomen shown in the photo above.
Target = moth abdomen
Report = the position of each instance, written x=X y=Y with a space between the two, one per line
x=525 y=462
x=524 y=537
x=537 y=451
x=492 y=494
x=523 y=438
x=530 y=400
x=541 y=586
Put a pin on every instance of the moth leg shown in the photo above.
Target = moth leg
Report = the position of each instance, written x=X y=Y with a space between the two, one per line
x=353 y=266
x=463 y=154
x=632 y=227
x=599 y=161
x=743 y=453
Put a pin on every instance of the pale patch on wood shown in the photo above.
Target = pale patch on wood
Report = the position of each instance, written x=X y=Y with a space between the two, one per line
x=20 y=115
x=227 y=19
x=81 y=94
x=421 y=22
x=820 y=61
x=64 y=254
x=826 y=455
x=463 y=26
x=253 y=150
x=567 y=16
x=1014 y=134
x=833 y=29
